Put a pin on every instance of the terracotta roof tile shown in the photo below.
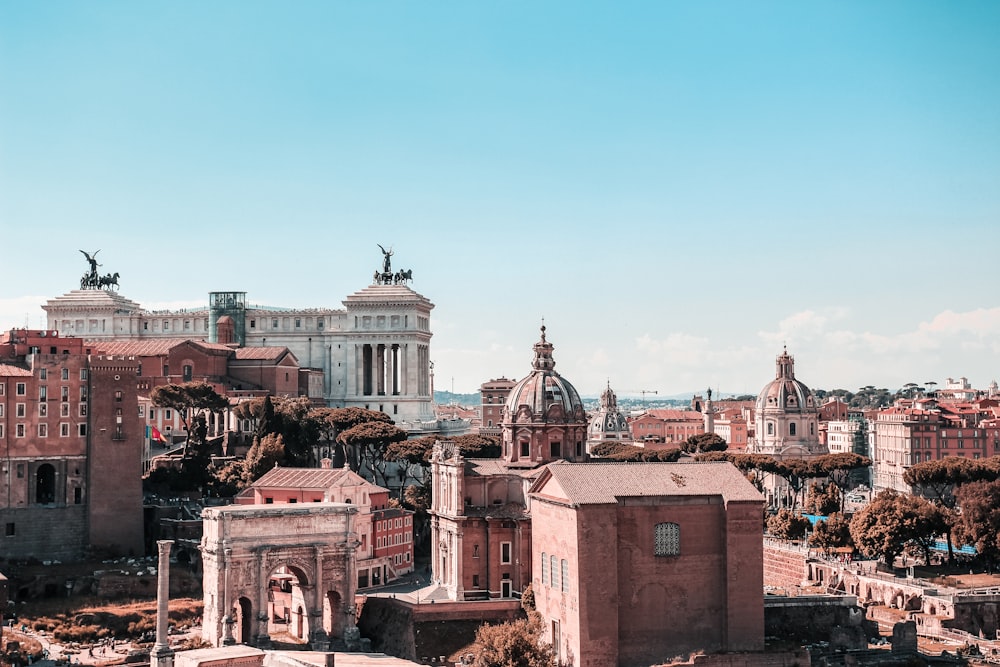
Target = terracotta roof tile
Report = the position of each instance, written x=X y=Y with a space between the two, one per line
x=312 y=478
x=605 y=483
x=491 y=467
x=260 y=353
x=8 y=370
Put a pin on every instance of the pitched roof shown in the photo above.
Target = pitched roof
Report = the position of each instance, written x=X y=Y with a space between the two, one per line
x=497 y=467
x=260 y=353
x=606 y=483
x=8 y=370
x=312 y=478
x=136 y=348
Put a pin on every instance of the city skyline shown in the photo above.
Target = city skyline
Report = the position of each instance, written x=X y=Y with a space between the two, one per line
x=679 y=190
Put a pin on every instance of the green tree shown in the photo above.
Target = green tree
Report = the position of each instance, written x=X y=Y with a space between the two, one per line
x=265 y=453
x=513 y=644
x=368 y=444
x=832 y=533
x=788 y=525
x=190 y=401
x=839 y=468
x=823 y=499
x=979 y=521
x=890 y=521
x=704 y=442
x=334 y=421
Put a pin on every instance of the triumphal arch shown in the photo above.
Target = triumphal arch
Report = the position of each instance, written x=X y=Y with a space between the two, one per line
x=287 y=568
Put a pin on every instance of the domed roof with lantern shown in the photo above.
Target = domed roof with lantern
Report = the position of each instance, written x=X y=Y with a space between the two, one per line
x=608 y=423
x=544 y=394
x=786 y=394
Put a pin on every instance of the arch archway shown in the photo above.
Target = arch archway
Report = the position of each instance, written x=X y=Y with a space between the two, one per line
x=263 y=559
x=243 y=621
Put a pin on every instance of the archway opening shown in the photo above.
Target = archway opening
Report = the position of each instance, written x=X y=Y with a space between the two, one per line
x=242 y=621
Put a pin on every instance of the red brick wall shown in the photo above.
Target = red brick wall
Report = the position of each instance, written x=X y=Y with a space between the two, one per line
x=115 y=464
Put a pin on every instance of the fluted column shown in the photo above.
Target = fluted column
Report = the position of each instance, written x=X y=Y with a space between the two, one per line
x=162 y=655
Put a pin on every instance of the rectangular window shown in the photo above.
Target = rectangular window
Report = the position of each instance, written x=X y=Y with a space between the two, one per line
x=2 y=390
x=565 y=576
x=81 y=430
x=152 y=414
x=545 y=568
x=9 y=530
x=43 y=430
x=65 y=374
x=64 y=410
x=19 y=431
x=43 y=393
x=43 y=409
x=83 y=409
x=83 y=373
x=118 y=397
x=20 y=409
x=83 y=394
x=167 y=415
x=1 y=430
x=64 y=430
x=1 y=409
x=554 y=571
x=43 y=374
x=505 y=552
x=64 y=394
x=20 y=389
x=142 y=410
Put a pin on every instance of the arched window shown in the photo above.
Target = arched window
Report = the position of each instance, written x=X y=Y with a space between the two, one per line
x=45 y=484
x=554 y=567
x=545 y=568
x=667 y=540
x=565 y=576
x=770 y=428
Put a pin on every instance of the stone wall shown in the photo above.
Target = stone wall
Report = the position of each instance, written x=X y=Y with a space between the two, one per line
x=50 y=533
x=798 y=658
x=428 y=630
x=784 y=565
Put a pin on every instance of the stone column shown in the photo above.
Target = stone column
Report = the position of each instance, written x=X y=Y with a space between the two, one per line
x=162 y=655
x=227 y=604
x=263 y=637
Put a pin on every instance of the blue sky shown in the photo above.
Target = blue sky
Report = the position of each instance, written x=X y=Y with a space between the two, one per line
x=678 y=188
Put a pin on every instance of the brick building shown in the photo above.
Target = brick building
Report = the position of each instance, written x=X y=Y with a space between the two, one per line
x=385 y=533
x=634 y=564
x=668 y=427
x=71 y=444
x=902 y=437
x=480 y=520
x=492 y=396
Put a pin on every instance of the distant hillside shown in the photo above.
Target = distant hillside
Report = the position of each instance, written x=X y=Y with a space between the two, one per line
x=447 y=398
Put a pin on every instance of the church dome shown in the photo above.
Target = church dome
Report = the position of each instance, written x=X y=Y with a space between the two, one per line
x=544 y=394
x=608 y=423
x=785 y=394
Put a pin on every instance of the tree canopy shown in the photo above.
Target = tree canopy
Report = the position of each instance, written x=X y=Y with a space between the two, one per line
x=978 y=523
x=368 y=443
x=890 y=521
x=190 y=401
